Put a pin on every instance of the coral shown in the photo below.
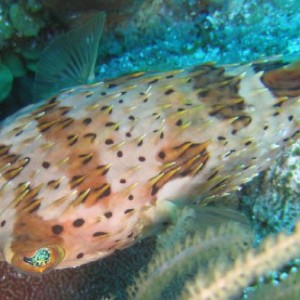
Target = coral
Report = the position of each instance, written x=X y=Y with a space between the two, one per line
x=272 y=199
x=273 y=254
x=286 y=288
x=182 y=250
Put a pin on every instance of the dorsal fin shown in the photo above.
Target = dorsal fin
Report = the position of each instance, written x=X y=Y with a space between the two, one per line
x=70 y=59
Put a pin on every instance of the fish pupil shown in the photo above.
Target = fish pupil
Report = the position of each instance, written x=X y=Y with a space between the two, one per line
x=40 y=258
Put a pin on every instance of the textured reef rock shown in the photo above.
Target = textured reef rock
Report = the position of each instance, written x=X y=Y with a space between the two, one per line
x=273 y=199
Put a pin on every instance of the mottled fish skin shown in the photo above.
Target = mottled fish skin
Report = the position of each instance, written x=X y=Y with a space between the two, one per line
x=89 y=170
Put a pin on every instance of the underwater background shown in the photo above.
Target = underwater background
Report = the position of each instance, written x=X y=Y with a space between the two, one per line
x=184 y=261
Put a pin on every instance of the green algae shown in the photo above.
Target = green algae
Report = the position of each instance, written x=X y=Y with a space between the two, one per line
x=15 y=63
x=6 y=30
x=26 y=24
x=6 y=79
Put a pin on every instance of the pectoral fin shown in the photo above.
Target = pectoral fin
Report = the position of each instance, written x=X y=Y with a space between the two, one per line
x=70 y=60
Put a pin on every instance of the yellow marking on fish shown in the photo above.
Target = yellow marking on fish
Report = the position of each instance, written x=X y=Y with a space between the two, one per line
x=186 y=125
x=155 y=179
x=81 y=197
x=63 y=161
x=92 y=107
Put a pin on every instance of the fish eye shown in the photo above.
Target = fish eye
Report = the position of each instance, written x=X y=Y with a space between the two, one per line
x=41 y=258
x=40 y=261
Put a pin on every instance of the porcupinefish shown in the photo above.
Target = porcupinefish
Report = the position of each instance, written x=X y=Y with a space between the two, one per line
x=92 y=168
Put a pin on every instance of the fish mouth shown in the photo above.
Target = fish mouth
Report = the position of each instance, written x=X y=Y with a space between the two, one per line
x=39 y=261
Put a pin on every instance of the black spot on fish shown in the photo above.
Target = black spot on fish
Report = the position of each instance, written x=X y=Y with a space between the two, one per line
x=87 y=121
x=36 y=206
x=109 y=142
x=108 y=214
x=119 y=153
x=109 y=124
x=57 y=229
x=91 y=136
x=130 y=197
x=153 y=81
x=179 y=122
x=99 y=233
x=3 y=223
x=46 y=164
x=154 y=190
x=80 y=255
x=218 y=184
x=106 y=192
x=54 y=184
x=19 y=133
x=161 y=154
x=169 y=92
x=73 y=138
x=78 y=222
x=111 y=85
x=86 y=158
x=89 y=94
x=229 y=152
x=212 y=175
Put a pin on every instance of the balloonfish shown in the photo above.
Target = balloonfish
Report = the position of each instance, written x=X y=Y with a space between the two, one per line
x=95 y=167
